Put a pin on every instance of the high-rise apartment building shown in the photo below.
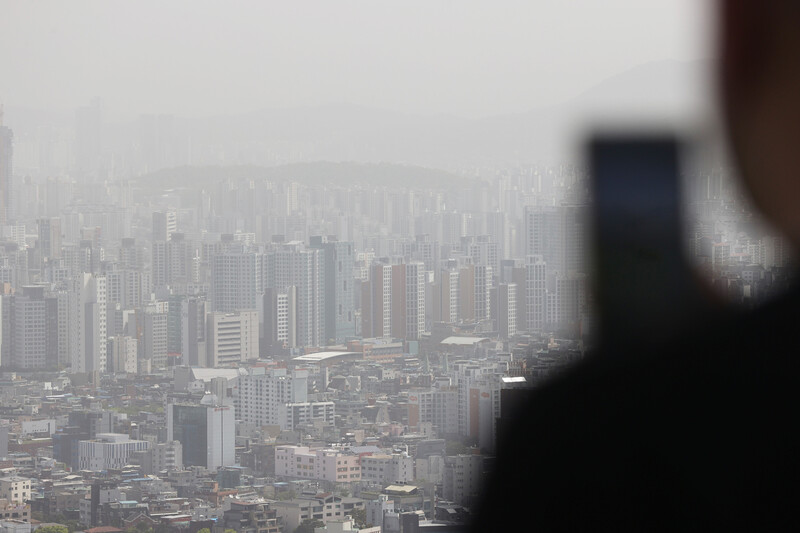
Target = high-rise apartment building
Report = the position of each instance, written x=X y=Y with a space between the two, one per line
x=165 y=223
x=88 y=323
x=193 y=331
x=49 y=242
x=535 y=293
x=30 y=336
x=558 y=234
x=483 y=290
x=462 y=479
x=376 y=301
x=506 y=310
x=122 y=354
x=234 y=282
x=292 y=265
x=279 y=327
x=408 y=300
x=154 y=339
x=339 y=284
x=444 y=307
x=279 y=397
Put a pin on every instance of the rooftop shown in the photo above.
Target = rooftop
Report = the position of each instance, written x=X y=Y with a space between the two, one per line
x=319 y=357
x=463 y=341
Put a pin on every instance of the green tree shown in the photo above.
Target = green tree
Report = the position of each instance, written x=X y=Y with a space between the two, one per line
x=286 y=495
x=308 y=525
x=205 y=530
x=144 y=527
x=72 y=525
x=360 y=518
x=455 y=447
x=53 y=529
x=230 y=530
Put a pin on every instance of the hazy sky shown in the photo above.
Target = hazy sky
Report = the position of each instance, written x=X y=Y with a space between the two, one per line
x=203 y=57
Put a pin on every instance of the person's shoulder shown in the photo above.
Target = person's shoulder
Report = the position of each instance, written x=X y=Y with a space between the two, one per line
x=728 y=352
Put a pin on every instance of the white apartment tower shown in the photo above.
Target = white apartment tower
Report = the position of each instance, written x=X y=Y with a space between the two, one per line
x=294 y=266
x=261 y=393
x=88 y=323
x=122 y=354
x=535 y=293
x=415 y=299
x=232 y=338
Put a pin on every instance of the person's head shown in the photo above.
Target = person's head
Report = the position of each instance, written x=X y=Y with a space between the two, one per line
x=760 y=90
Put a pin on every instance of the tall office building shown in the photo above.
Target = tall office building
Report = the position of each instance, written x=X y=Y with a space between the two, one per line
x=6 y=168
x=88 y=323
x=339 y=283
x=206 y=431
x=232 y=338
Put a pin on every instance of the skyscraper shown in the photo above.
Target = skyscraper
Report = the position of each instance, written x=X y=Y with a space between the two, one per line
x=535 y=293
x=408 y=300
x=49 y=237
x=292 y=265
x=338 y=261
x=88 y=323
x=376 y=301
x=30 y=329
x=232 y=338
x=234 y=282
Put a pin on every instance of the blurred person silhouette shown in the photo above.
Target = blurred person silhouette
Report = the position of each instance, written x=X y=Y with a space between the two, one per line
x=701 y=433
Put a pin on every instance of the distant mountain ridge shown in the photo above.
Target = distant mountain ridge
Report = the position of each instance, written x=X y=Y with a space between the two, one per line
x=657 y=91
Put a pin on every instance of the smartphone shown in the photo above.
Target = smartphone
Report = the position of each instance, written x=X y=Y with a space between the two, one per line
x=642 y=283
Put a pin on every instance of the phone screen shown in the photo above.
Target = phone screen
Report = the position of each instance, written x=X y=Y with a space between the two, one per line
x=641 y=279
